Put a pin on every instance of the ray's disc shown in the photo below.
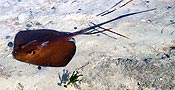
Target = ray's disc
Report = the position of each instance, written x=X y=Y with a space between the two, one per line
x=44 y=47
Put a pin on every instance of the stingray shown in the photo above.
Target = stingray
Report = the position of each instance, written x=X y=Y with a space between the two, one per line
x=46 y=47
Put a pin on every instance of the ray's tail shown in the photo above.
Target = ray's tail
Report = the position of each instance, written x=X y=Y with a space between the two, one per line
x=93 y=30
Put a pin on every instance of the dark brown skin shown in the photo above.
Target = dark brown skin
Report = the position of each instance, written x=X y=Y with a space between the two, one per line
x=43 y=48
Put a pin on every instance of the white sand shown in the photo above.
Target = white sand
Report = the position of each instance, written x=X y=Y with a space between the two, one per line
x=146 y=62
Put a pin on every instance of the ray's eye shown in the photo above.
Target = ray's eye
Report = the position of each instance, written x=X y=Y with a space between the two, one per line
x=32 y=52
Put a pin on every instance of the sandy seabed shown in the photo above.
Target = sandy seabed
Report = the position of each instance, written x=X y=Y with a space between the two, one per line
x=145 y=62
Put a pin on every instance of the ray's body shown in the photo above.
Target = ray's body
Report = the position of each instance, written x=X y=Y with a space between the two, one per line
x=45 y=47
